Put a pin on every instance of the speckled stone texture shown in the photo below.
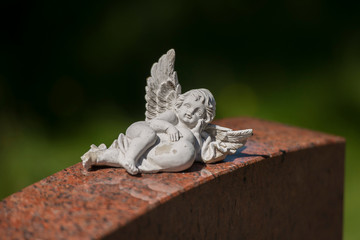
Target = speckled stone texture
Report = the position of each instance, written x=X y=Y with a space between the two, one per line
x=286 y=184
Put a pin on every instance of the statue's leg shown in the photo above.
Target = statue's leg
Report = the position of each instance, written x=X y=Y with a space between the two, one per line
x=107 y=157
x=142 y=137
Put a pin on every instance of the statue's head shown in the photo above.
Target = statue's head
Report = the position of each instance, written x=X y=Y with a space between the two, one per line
x=194 y=105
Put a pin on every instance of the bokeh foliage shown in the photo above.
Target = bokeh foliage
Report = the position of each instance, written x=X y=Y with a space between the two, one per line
x=72 y=73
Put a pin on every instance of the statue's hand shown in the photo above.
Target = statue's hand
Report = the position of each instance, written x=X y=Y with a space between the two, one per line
x=199 y=126
x=173 y=133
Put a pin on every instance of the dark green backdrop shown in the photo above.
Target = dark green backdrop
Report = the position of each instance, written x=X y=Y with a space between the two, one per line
x=73 y=73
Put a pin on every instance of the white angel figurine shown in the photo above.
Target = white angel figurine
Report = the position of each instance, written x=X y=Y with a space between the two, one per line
x=175 y=133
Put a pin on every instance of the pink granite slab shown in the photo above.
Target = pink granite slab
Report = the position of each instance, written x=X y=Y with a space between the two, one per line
x=76 y=204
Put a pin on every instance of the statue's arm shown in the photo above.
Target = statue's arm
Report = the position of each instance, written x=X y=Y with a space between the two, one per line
x=201 y=137
x=204 y=146
x=165 y=123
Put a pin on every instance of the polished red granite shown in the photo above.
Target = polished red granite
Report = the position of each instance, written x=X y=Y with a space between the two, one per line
x=109 y=203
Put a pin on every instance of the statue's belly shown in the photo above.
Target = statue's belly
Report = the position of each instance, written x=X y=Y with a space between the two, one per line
x=172 y=156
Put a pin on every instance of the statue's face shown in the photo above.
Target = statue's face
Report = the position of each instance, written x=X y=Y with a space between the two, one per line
x=191 y=111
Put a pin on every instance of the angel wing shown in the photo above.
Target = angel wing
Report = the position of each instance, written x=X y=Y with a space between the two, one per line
x=162 y=87
x=222 y=141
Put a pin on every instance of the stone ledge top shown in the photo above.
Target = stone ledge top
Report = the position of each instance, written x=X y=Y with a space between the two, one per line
x=74 y=203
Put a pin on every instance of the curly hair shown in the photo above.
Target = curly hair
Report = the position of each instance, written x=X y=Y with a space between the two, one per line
x=205 y=97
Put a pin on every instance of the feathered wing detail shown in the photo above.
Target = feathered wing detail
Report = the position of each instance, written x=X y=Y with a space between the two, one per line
x=221 y=141
x=162 y=87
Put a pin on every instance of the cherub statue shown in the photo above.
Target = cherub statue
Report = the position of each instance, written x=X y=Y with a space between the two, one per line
x=176 y=132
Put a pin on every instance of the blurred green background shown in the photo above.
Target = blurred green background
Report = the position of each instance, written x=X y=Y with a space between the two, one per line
x=73 y=73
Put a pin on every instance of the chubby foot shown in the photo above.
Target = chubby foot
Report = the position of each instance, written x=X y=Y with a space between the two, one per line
x=130 y=167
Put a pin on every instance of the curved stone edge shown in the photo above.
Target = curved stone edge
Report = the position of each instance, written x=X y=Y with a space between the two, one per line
x=74 y=203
